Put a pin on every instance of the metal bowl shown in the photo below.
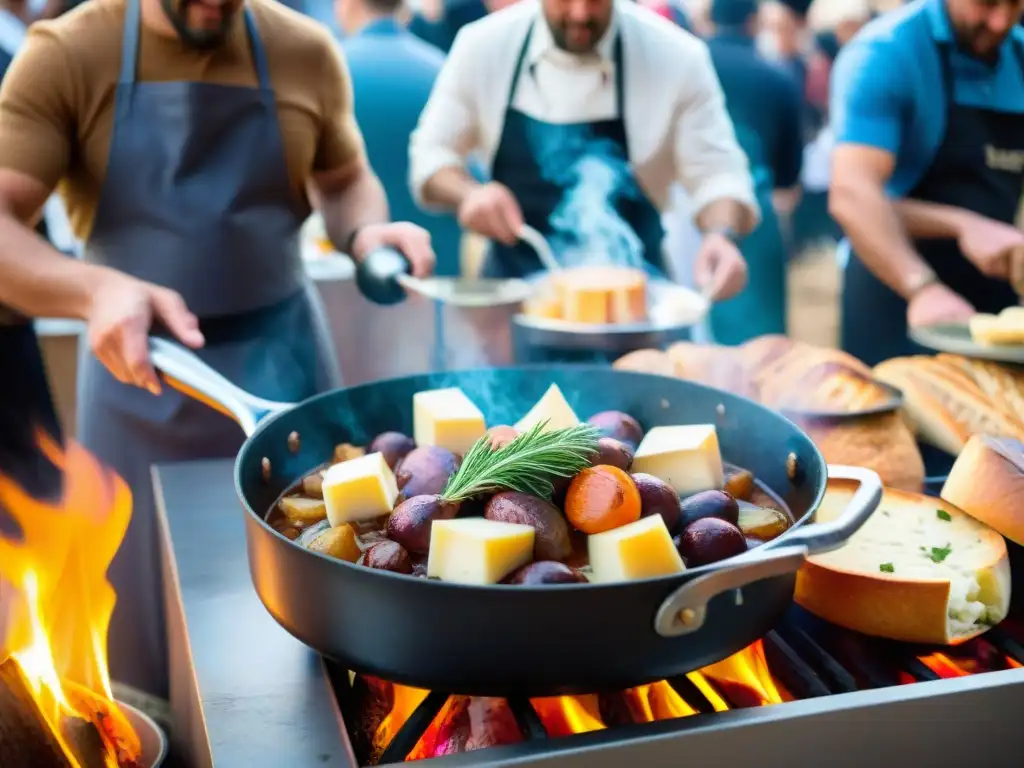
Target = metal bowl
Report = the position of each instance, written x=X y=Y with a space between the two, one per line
x=154 y=741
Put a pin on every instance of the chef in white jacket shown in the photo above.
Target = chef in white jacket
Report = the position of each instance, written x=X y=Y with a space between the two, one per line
x=586 y=112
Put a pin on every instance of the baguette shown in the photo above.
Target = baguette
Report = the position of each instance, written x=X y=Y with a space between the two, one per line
x=920 y=570
x=647 y=361
x=987 y=482
x=712 y=365
x=944 y=404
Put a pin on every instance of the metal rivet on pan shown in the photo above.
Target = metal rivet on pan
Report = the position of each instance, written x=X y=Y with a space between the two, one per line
x=720 y=409
x=687 y=616
x=792 y=467
x=266 y=469
x=293 y=442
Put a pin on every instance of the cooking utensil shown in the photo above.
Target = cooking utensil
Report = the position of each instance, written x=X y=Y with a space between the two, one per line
x=956 y=338
x=500 y=640
x=539 y=243
x=383 y=277
x=154 y=742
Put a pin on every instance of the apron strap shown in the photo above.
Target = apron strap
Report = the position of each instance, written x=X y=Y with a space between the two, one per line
x=616 y=58
x=130 y=48
x=520 y=59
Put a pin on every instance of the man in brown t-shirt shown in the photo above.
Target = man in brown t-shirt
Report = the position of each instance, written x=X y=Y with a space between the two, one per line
x=185 y=137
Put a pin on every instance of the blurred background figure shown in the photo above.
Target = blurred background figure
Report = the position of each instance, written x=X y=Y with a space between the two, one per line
x=783 y=36
x=439 y=21
x=671 y=10
x=392 y=74
x=765 y=106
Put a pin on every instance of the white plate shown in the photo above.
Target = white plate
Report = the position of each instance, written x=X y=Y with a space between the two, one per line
x=956 y=339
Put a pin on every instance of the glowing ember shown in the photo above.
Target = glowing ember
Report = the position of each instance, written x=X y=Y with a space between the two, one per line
x=57 y=632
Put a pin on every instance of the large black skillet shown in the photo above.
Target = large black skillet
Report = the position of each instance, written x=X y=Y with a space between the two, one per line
x=512 y=640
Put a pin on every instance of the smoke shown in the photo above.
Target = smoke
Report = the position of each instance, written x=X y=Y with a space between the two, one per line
x=586 y=226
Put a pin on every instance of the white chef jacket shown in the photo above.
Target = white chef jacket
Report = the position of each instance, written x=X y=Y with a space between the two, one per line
x=676 y=122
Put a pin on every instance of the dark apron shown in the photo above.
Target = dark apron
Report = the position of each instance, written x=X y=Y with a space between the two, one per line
x=539 y=163
x=874 y=324
x=760 y=308
x=197 y=198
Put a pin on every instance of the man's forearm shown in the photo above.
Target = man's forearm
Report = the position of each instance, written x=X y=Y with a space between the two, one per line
x=38 y=280
x=921 y=219
x=872 y=224
x=721 y=215
x=358 y=202
x=448 y=188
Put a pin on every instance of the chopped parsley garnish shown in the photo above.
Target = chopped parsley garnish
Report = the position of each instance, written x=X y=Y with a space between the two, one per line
x=886 y=568
x=940 y=553
x=944 y=515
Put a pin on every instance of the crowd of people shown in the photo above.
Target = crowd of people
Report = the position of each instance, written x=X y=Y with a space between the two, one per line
x=190 y=139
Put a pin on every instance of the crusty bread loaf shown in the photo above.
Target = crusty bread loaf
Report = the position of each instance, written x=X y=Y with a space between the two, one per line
x=712 y=365
x=920 y=570
x=1006 y=328
x=882 y=443
x=647 y=361
x=987 y=482
x=945 y=404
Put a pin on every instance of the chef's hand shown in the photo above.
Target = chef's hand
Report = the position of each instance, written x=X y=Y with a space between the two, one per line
x=122 y=311
x=411 y=240
x=991 y=246
x=720 y=269
x=491 y=210
x=935 y=304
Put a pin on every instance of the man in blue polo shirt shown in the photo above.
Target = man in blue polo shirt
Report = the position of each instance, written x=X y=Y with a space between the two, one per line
x=928 y=111
x=392 y=74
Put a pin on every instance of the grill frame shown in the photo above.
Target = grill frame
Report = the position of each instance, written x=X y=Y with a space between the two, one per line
x=245 y=693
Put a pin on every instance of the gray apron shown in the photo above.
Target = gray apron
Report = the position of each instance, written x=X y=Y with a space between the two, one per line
x=197 y=198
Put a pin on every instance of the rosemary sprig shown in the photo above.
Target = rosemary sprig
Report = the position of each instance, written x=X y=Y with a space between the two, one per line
x=525 y=464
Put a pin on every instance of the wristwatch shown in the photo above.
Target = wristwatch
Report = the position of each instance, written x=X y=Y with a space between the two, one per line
x=919 y=282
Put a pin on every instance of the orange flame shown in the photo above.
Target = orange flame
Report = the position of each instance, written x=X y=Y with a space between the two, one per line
x=57 y=631
x=744 y=677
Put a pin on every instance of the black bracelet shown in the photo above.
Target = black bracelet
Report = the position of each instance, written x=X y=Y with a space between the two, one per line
x=350 y=241
x=728 y=232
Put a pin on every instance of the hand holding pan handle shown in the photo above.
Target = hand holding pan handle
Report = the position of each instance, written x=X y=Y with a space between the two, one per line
x=184 y=371
x=685 y=610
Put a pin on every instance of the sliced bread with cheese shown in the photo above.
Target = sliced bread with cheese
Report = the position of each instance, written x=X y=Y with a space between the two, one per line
x=987 y=482
x=1006 y=328
x=920 y=570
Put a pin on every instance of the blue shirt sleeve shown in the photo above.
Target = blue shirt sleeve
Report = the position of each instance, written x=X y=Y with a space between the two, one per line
x=871 y=93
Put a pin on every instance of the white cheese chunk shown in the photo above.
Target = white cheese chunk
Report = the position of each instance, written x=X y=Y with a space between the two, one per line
x=446 y=418
x=685 y=457
x=473 y=550
x=359 y=489
x=553 y=408
x=640 y=550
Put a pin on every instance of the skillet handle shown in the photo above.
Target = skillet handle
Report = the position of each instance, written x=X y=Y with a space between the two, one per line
x=685 y=610
x=184 y=371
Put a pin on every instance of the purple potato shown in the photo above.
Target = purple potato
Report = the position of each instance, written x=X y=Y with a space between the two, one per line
x=619 y=426
x=410 y=523
x=545 y=572
x=425 y=471
x=388 y=556
x=614 y=453
x=658 y=498
x=717 y=504
x=394 y=445
x=551 y=531
x=709 y=540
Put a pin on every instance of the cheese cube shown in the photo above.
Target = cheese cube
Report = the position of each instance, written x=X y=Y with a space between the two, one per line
x=553 y=408
x=685 y=457
x=446 y=418
x=640 y=550
x=359 y=489
x=473 y=550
